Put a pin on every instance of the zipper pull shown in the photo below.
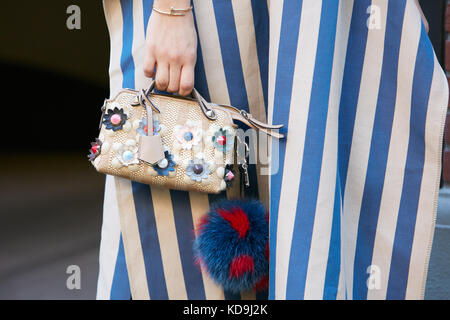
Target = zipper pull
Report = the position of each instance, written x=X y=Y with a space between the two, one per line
x=242 y=161
x=244 y=167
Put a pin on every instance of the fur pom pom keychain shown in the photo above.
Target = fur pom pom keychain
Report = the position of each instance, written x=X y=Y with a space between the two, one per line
x=232 y=244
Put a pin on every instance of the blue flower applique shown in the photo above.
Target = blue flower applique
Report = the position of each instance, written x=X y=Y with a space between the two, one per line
x=156 y=127
x=166 y=165
x=198 y=169
x=143 y=127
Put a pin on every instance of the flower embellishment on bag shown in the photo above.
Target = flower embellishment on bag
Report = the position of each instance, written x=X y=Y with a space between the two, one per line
x=198 y=169
x=223 y=140
x=114 y=119
x=228 y=175
x=95 y=150
x=188 y=135
x=127 y=154
x=166 y=165
x=143 y=127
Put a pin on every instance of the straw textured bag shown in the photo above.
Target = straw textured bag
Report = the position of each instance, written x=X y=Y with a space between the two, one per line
x=177 y=142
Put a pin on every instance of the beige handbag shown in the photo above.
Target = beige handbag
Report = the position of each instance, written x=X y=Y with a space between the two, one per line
x=177 y=142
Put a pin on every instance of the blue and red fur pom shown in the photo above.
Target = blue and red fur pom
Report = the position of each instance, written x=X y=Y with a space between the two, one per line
x=232 y=244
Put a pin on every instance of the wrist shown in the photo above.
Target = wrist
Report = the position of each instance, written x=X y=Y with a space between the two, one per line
x=176 y=4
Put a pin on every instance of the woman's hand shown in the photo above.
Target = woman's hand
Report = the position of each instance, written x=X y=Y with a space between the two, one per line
x=171 y=47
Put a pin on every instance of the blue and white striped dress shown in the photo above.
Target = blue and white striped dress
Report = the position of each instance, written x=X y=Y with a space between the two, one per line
x=353 y=188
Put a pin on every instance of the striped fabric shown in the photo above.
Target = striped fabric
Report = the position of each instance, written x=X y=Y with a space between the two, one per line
x=354 y=201
x=353 y=188
x=147 y=233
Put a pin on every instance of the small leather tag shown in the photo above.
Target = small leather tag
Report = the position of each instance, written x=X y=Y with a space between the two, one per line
x=151 y=149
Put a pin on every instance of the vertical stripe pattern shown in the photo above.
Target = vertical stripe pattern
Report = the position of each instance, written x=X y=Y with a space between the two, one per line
x=352 y=189
x=353 y=234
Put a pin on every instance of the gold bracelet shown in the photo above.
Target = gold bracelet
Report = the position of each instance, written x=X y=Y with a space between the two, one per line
x=173 y=11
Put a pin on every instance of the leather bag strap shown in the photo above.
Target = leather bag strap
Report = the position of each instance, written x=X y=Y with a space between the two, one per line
x=208 y=111
x=248 y=119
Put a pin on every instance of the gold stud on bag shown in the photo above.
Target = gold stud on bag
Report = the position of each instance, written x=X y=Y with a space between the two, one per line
x=177 y=142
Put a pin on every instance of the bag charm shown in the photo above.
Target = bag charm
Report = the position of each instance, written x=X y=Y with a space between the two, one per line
x=232 y=244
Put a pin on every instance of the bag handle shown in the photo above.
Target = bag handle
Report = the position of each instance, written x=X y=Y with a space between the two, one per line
x=236 y=114
x=207 y=111
x=245 y=117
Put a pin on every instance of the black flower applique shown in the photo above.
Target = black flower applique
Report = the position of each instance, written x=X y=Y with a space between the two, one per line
x=94 y=152
x=228 y=175
x=114 y=119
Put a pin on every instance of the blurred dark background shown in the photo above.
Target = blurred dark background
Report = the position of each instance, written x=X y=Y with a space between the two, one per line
x=54 y=82
x=53 y=73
